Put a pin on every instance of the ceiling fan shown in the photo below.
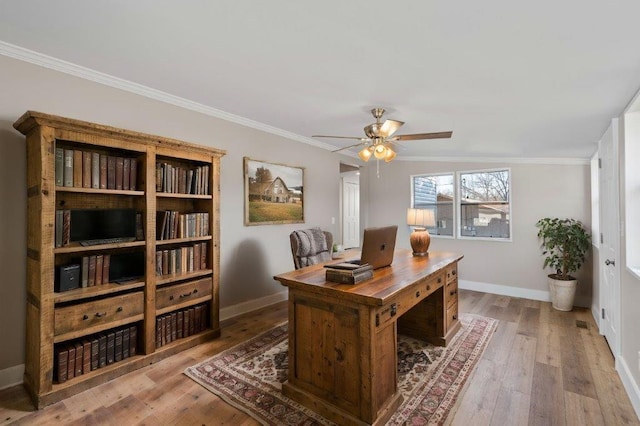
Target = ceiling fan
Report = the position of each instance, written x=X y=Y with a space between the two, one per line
x=379 y=138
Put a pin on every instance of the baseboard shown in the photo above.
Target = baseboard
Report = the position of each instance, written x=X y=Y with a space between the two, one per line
x=252 y=305
x=11 y=376
x=629 y=383
x=505 y=290
x=595 y=312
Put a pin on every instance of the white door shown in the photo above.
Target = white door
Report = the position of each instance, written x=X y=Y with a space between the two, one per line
x=609 y=239
x=350 y=210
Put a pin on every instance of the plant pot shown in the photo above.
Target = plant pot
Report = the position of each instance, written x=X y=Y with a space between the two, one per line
x=562 y=293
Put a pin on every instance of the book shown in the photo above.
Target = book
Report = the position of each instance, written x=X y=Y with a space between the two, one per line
x=125 y=343
x=111 y=172
x=179 y=324
x=186 y=324
x=60 y=169
x=66 y=227
x=197 y=323
x=95 y=353
x=133 y=340
x=119 y=172
x=71 y=362
x=62 y=356
x=118 y=346
x=85 y=272
x=191 y=321
x=158 y=332
x=68 y=167
x=98 y=270
x=133 y=178
x=163 y=330
x=174 y=326
x=102 y=350
x=95 y=170
x=139 y=227
x=341 y=278
x=349 y=267
x=159 y=263
x=77 y=168
x=86 y=169
x=203 y=255
x=126 y=173
x=91 y=281
x=103 y=171
x=86 y=356
x=58 y=230
x=111 y=347
x=79 y=359
x=106 y=264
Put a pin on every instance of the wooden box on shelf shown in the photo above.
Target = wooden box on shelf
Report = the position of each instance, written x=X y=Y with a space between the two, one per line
x=106 y=324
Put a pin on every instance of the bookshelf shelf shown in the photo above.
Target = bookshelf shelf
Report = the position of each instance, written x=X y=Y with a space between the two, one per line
x=98 y=191
x=101 y=290
x=74 y=164
x=186 y=196
x=182 y=240
x=168 y=279
x=77 y=248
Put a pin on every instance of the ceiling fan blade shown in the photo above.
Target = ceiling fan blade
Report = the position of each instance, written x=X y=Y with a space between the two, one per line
x=347 y=147
x=421 y=136
x=341 y=137
x=389 y=127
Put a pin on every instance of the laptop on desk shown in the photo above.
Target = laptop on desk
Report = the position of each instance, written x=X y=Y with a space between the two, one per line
x=378 y=245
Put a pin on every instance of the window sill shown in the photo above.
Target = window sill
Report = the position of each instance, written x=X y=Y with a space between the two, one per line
x=499 y=240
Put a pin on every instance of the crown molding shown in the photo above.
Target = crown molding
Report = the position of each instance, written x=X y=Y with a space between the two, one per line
x=30 y=56
x=507 y=160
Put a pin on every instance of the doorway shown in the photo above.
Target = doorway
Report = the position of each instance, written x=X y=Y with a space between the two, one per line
x=609 y=275
x=350 y=204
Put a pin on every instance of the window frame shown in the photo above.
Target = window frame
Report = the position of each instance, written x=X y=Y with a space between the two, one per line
x=458 y=202
x=453 y=202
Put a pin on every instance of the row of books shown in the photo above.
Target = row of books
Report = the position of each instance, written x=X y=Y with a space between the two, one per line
x=181 y=260
x=75 y=358
x=87 y=169
x=179 y=180
x=348 y=273
x=172 y=224
x=94 y=270
x=183 y=323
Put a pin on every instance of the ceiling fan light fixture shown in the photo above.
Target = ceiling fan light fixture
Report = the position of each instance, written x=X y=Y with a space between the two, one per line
x=390 y=155
x=380 y=151
x=365 y=154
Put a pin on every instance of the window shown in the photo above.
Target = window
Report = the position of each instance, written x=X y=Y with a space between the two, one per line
x=435 y=192
x=484 y=204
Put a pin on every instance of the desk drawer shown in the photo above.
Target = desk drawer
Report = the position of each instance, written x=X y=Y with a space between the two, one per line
x=452 y=315
x=451 y=293
x=452 y=272
x=177 y=294
x=100 y=313
x=407 y=300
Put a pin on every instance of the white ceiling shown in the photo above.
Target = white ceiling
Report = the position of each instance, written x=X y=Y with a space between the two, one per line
x=511 y=79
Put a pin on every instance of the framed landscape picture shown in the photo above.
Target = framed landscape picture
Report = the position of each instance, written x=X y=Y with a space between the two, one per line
x=272 y=193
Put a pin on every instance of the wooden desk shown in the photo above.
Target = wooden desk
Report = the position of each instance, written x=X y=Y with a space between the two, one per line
x=343 y=338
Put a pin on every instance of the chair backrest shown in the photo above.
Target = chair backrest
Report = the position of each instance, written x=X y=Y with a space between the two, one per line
x=310 y=246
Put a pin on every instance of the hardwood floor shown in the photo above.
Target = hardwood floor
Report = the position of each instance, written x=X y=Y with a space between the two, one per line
x=540 y=368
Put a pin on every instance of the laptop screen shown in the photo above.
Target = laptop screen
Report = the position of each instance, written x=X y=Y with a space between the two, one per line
x=378 y=245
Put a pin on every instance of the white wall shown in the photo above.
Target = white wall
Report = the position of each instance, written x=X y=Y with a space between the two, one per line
x=250 y=256
x=538 y=190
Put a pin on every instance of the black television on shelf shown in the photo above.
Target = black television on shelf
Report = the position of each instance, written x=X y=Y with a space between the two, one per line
x=100 y=224
x=124 y=267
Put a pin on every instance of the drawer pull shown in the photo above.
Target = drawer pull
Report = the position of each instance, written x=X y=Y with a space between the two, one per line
x=428 y=288
x=439 y=280
x=185 y=295
x=119 y=309
x=85 y=317
x=100 y=314
x=453 y=272
x=171 y=297
x=455 y=317
x=394 y=309
x=452 y=293
x=417 y=294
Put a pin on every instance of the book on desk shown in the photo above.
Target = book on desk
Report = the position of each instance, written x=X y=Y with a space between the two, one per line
x=348 y=273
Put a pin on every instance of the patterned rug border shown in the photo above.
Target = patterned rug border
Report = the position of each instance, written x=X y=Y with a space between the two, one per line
x=274 y=336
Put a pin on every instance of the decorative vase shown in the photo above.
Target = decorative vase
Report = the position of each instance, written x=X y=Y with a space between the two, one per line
x=562 y=293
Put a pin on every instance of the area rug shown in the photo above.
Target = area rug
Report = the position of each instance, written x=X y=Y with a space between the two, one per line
x=250 y=376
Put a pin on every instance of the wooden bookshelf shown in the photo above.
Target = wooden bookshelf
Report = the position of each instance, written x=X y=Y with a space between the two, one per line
x=56 y=320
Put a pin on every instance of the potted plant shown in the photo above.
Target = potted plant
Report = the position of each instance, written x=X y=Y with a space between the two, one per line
x=565 y=243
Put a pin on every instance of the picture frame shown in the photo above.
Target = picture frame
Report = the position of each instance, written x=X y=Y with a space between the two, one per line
x=273 y=193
